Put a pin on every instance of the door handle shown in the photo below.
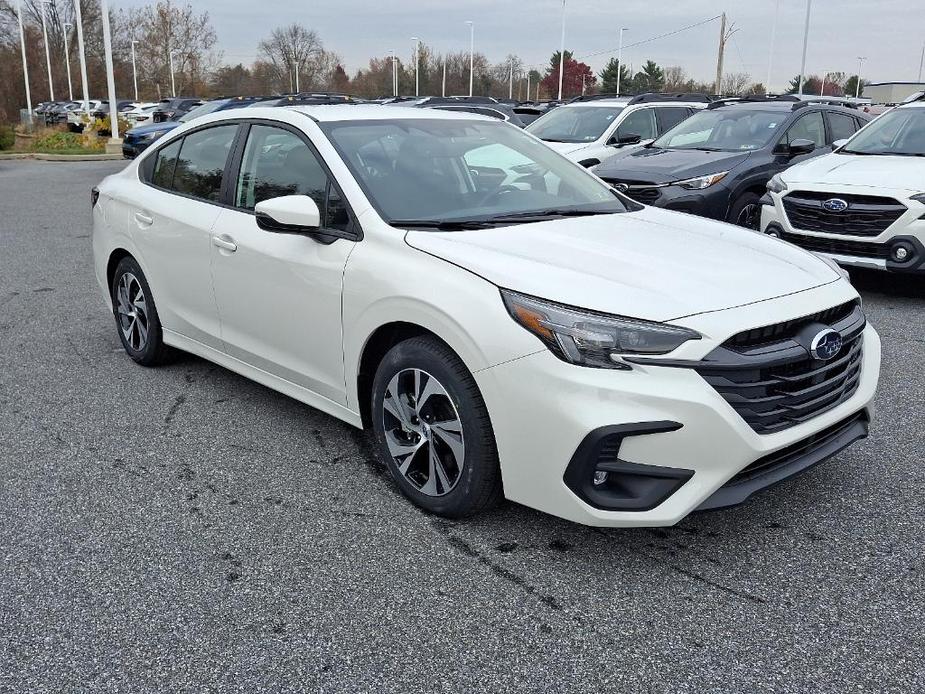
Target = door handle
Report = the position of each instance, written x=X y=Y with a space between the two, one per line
x=143 y=219
x=224 y=242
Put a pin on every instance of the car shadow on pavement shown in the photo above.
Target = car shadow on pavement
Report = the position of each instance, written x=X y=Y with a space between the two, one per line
x=889 y=283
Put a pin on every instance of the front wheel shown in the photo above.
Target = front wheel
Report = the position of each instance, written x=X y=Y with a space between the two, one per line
x=433 y=431
x=746 y=211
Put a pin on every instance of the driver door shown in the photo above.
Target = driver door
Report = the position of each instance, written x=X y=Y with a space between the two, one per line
x=279 y=294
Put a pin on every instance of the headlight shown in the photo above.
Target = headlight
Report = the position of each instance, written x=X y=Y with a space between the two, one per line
x=701 y=182
x=592 y=339
x=776 y=184
x=919 y=198
x=153 y=136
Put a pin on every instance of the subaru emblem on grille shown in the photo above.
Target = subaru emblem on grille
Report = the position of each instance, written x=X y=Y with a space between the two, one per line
x=835 y=205
x=825 y=345
x=622 y=187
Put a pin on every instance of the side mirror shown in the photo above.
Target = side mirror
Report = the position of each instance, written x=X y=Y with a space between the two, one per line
x=839 y=143
x=628 y=139
x=798 y=147
x=289 y=214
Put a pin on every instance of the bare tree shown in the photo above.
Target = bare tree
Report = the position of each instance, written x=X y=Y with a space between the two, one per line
x=293 y=51
x=676 y=79
x=735 y=83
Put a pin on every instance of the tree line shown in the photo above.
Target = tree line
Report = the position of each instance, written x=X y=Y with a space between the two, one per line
x=294 y=58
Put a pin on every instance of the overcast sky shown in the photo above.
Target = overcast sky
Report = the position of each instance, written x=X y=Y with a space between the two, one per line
x=888 y=32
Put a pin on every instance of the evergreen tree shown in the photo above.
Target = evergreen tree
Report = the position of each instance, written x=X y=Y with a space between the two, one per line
x=609 y=77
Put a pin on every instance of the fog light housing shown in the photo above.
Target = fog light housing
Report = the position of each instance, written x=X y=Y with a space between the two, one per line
x=773 y=231
x=901 y=253
x=600 y=477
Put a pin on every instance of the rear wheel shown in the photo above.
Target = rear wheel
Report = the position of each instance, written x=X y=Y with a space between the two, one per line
x=136 y=315
x=433 y=431
x=746 y=211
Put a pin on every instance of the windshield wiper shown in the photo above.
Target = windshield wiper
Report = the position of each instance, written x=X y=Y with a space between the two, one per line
x=441 y=225
x=546 y=214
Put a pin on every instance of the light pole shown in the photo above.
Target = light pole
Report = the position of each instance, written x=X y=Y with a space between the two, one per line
x=510 y=86
x=857 y=86
x=822 y=88
x=443 y=89
x=82 y=54
x=809 y=5
x=417 y=60
x=528 y=84
x=51 y=86
x=25 y=67
x=767 y=84
x=922 y=61
x=134 y=72
x=394 y=72
x=562 y=52
x=173 y=86
x=471 y=53
x=67 y=61
x=620 y=59
x=114 y=144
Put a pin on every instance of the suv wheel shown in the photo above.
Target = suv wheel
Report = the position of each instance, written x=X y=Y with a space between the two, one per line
x=746 y=211
x=433 y=431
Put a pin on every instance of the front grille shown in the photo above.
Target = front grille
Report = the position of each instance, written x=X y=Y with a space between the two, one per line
x=866 y=215
x=838 y=246
x=639 y=192
x=801 y=449
x=769 y=378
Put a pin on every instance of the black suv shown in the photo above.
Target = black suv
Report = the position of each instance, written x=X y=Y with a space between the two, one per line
x=717 y=162
x=173 y=108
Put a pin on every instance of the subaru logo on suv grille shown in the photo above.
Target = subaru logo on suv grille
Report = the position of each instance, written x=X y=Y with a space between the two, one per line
x=835 y=205
x=622 y=187
x=825 y=345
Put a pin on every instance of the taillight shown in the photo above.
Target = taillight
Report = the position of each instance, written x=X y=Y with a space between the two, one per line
x=94 y=196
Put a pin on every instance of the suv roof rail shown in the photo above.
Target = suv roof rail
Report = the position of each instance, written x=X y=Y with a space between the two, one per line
x=652 y=97
x=757 y=99
x=460 y=100
x=595 y=97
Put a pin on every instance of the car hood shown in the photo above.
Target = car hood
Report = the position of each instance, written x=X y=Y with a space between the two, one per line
x=163 y=126
x=566 y=147
x=904 y=173
x=652 y=264
x=656 y=165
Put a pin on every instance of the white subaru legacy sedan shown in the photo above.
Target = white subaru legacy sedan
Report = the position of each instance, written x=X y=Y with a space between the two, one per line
x=504 y=322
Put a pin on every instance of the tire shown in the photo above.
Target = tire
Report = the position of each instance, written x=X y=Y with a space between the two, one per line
x=746 y=212
x=137 y=321
x=409 y=430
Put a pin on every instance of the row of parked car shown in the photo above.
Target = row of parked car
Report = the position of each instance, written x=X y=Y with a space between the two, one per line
x=73 y=114
x=725 y=159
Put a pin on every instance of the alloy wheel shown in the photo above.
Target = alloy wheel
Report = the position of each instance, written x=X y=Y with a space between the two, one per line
x=132 y=309
x=423 y=432
x=750 y=216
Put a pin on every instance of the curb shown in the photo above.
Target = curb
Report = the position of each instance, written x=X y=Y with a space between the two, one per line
x=60 y=157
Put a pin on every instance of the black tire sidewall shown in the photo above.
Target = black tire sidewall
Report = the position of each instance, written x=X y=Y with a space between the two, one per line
x=480 y=466
x=741 y=202
x=153 y=350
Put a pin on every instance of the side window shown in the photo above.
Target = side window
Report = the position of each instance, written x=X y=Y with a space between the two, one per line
x=808 y=127
x=165 y=164
x=277 y=162
x=670 y=116
x=841 y=126
x=201 y=164
x=641 y=122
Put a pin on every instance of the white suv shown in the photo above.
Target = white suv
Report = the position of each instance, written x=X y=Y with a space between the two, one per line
x=862 y=205
x=500 y=319
x=591 y=129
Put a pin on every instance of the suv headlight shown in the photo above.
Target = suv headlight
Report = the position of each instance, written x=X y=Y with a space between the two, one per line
x=592 y=339
x=920 y=197
x=776 y=184
x=701 y=182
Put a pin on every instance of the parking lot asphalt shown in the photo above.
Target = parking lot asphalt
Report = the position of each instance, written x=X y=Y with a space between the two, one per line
x=184 y=529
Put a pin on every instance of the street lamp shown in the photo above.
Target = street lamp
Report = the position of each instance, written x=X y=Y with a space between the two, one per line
x=67 y=61
x=620 y=58
x=417 y=59
x=809 y=5
x=83 y=58
x=173 y=86
x=767 y=85
x=25 y=67
x=394 y=72
x=114 y=144
x=471 y=53
x=51 y=86
x=134 y=73
x=857 y=86
x=562 y=52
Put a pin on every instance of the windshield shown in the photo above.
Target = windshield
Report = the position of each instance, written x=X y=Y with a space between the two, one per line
x=900 y=132
x=724 y=129
x=574 y=123
x=207 y=107
x=451 y=171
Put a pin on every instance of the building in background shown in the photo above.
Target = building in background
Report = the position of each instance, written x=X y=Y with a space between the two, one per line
x=891 y=92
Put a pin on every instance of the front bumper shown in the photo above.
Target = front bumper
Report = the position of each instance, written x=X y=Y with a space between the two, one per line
x=874 y=253
x=712 y=202
x=543 y=409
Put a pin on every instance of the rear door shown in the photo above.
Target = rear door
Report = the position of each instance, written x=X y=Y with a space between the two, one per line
x=279 y=294
x=172 y=228
x=669 y=116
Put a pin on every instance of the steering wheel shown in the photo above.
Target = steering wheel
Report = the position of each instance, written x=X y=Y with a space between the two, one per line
x=497 y=193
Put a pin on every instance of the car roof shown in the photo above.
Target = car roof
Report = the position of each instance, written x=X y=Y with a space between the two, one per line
x=370 y=112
